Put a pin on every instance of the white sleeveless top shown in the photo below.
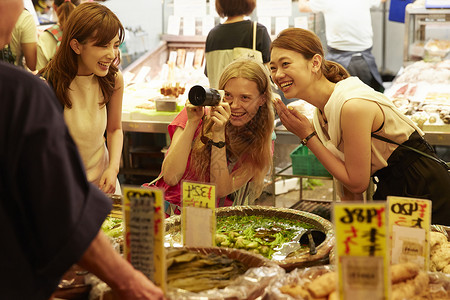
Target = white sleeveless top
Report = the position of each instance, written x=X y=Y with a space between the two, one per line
x=396 y=127
x=86 y=121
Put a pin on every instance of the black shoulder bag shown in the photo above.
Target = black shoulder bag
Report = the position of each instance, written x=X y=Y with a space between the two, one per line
x=436 y=159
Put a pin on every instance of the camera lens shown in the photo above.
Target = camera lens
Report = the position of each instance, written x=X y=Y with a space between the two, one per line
x=201 y=96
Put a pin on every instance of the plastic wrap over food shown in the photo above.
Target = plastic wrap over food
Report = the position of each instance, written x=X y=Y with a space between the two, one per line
x=294 y=284
x=320 y=282
x=299 y=258
x=260 y=273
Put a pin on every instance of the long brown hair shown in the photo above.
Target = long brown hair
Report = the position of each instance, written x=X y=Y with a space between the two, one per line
x=308 y=44
x=88 y=21
x=63 y=11
x=250 y=145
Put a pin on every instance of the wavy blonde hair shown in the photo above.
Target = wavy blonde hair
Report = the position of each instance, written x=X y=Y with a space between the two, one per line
x=249 y=145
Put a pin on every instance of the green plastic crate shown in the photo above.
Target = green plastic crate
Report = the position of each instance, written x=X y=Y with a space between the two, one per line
x=304 y=162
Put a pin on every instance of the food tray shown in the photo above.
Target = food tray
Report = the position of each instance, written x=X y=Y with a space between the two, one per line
x=301 y=259
x=304 y=162
x=250 y=285
x=166 y=103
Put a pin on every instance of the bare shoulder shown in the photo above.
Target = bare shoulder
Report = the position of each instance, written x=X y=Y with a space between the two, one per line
x=359 y=106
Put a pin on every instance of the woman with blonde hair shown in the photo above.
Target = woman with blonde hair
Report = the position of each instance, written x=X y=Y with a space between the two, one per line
x=229 y=144
x=87 y=82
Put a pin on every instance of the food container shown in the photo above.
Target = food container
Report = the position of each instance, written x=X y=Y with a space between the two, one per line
x=166 y=103
x=250 y=285
x=304 y=162
x=301 y=258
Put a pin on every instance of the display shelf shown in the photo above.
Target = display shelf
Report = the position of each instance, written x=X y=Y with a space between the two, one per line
x=417 y=19
x=286 y=172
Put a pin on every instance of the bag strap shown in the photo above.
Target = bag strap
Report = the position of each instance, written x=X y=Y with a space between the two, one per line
x=436 y=159
x=254 y=35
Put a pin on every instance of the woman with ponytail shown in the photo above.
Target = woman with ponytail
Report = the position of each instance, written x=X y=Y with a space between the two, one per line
x=356 y=133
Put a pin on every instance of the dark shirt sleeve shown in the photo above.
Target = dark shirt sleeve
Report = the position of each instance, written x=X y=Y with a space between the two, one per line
x=263 y=42
x=53 y=212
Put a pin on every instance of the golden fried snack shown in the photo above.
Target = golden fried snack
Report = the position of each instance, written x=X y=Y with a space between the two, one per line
x=296 y=291
x=437 y=239
x=333 y=296
x=441 y=257
x=324 y=285
x=410 y=288
x=402 y=272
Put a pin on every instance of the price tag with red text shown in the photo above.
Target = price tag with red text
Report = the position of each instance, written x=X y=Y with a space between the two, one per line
x=143 y=212
x=198 y=219
x=362 y=247
x=409 y=229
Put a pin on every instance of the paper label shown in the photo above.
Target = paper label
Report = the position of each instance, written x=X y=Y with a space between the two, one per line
x=198 y=214
x=144 y=232
x=409 y=229
x=362 y=248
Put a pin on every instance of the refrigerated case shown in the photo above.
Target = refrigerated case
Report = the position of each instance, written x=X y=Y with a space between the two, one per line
x=423 y=25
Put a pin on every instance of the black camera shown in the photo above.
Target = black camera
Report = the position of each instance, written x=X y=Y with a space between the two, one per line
x=201 y=96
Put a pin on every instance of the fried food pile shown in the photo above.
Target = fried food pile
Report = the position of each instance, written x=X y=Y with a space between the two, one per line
x=408 y=283
x=322 y=287
x=196 y=272
x=439 y=253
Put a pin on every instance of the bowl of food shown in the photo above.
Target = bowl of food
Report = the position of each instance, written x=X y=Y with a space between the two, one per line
x=288 y=237
x=217 y=273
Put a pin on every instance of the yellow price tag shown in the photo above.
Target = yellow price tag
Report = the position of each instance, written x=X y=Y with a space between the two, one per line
x=409 y=229
x=362 y=247
x=198 y=214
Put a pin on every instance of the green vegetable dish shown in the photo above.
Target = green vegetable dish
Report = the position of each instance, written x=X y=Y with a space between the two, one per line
x=258 y=234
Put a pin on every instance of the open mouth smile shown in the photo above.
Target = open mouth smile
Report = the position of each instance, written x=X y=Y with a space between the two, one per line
x=285 y=85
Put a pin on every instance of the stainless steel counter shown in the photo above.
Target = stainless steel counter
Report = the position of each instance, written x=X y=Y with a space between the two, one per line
x=436 y=138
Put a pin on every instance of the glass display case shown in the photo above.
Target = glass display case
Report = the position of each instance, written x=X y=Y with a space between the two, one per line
x=427 y=34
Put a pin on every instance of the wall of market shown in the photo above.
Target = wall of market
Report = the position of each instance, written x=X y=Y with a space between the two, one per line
x=147 y=21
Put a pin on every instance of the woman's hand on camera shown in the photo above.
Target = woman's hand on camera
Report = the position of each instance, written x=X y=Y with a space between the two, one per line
x=294 y=121
x=220 y=115
x=194 y=113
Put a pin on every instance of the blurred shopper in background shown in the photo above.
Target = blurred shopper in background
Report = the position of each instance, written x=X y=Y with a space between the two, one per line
x=235 y=32
x=357 y=133
x=50 y=215
x=23 y=42
x=87 y=82
x=349 y=35
x=51 y=38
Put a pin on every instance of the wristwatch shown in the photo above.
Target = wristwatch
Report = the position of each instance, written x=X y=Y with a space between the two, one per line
x=220 y=144
x=306 y=139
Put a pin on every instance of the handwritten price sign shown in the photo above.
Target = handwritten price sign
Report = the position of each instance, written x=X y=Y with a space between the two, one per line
x=198 y=215
x=362 y=244
x=409 y=228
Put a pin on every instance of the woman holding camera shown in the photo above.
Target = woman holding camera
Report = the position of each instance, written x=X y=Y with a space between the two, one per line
x=229 y=144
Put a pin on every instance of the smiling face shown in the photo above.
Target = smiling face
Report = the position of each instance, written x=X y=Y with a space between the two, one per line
x=291 y=72
x=95 y=59
x=244 y=99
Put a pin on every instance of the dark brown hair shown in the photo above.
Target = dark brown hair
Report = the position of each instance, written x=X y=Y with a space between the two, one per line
x=308 y=44
x=231 y=8
x=89 y=21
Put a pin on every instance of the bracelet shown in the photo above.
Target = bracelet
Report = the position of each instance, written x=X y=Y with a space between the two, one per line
x=220 y=144
x=306 y=139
